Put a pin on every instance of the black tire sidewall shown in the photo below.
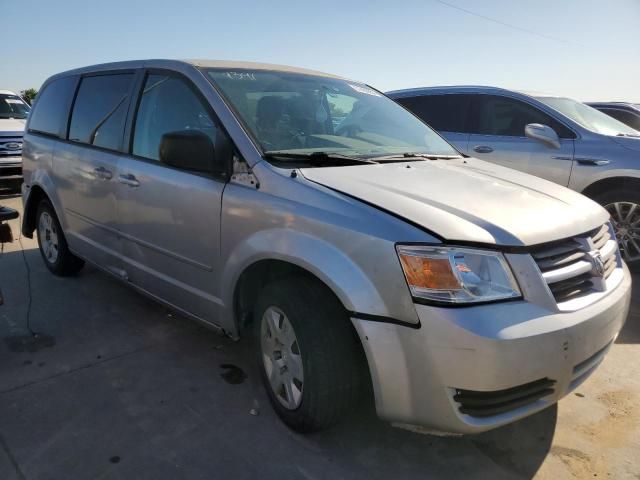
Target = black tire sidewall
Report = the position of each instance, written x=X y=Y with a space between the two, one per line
x=257 y=338
x=310 y=313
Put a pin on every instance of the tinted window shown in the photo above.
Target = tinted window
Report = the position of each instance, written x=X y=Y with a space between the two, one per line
x=507 y=117
x=167 y=104
x=100 y=110
x=446 y=113
x=631 y=119
x=51 y=108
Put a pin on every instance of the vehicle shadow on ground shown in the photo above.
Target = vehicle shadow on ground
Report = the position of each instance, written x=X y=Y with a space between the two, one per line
x=516 y=450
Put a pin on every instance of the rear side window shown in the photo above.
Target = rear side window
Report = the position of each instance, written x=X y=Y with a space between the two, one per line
x=51 y=110
x=100 y=110
x=445 y=113
x=631 y=119
x=167 y=104
x=507 y=117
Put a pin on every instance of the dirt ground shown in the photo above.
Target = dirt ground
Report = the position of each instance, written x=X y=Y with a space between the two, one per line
x=123 y=389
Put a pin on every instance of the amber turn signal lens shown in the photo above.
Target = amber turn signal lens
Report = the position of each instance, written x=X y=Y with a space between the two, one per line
x=432 y=273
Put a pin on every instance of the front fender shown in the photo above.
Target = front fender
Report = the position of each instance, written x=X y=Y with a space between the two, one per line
x=336 y=269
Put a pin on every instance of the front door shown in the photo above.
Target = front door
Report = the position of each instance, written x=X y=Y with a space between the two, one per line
x=498 y=136
x=170 y=218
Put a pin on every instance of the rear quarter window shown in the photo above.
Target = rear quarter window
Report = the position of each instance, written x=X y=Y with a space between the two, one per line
x=50 y=112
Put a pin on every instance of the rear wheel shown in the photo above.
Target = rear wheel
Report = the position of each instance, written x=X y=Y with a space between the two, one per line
x=308 y=354
x=52 y=243
x=624 y=207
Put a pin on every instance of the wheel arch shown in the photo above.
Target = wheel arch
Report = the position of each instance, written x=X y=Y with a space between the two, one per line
x=274 y=253
x=256 y=276
x=260 y=273
x=36 y=195
x=611 y=183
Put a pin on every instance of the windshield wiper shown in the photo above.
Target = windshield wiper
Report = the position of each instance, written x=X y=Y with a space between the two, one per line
x=315 y=157
x=632 y=135
x=425 y=156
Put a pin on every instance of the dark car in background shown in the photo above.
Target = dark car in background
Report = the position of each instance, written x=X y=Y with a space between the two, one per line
x=625 y=112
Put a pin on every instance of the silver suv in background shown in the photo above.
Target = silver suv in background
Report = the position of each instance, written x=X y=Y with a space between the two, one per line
x=319 y=218
x=555 y=138
x=13 y=116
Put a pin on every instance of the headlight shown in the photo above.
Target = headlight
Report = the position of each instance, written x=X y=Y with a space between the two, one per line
x=457 y=275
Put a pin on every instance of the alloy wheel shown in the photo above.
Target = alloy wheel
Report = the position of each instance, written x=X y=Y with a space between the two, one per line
x=625 y=217
x=281 y=358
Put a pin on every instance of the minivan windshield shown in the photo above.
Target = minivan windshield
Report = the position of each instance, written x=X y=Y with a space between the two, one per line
x=300 y=115
x=589 y=117
x=12 y=106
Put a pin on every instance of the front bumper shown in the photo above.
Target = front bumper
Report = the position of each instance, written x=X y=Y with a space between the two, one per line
x=420 y=375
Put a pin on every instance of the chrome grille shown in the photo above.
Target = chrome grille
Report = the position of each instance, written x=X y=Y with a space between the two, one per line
x=580 y=265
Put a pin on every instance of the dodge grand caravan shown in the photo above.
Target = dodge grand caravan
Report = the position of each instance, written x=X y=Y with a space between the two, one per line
x=320 y=218
x=556 y=138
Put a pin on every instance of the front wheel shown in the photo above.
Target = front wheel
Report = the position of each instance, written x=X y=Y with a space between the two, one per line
x=308 y=353
x=624 y=207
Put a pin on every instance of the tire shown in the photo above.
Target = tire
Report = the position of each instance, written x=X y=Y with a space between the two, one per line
x=52 y=243
x=624 y=206
x=323 y=342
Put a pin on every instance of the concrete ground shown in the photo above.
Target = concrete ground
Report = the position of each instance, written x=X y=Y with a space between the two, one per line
x=126 y=390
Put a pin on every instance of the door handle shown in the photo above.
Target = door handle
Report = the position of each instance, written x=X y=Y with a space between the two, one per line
x=102 y=173
x=592 y=162
x=128 y=179
x=482 y=149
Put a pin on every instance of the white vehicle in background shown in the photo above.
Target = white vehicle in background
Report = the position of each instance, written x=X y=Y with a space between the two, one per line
x=13 y=116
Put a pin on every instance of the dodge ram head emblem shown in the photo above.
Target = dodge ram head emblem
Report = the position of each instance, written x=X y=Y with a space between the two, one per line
x=597 y=262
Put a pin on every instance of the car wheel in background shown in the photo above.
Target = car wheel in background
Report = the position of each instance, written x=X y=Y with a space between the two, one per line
x=624 y=207
x=309 y=356
x=52 y=243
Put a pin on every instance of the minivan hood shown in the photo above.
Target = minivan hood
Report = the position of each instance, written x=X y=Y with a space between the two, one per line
x=12 y=126
x=631 y=143
x=468 y=200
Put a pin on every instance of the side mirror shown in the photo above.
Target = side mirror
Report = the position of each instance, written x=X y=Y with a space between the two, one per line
x=542 y=133
x=188 y=150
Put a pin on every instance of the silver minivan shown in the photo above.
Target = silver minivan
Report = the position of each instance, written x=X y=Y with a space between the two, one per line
x=348 y=240
x=553 y=137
